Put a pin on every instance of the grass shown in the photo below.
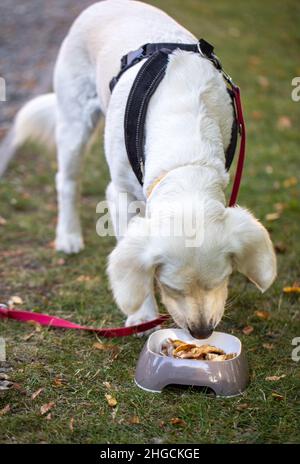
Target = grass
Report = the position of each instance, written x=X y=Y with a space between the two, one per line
x=259 y=43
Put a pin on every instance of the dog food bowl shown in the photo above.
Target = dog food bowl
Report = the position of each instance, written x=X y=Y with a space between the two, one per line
x=226 y=378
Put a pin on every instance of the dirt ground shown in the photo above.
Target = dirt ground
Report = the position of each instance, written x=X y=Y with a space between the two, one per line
x=30 y=36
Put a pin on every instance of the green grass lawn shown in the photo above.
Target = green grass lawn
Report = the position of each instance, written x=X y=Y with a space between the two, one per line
x=259 y=46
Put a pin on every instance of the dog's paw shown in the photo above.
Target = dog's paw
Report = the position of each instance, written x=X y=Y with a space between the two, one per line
x=136 y=318
x=69 y=243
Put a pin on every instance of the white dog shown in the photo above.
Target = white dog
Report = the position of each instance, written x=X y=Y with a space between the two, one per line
x=188 y=127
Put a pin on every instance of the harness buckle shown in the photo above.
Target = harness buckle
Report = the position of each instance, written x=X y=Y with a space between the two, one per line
x=129 y=59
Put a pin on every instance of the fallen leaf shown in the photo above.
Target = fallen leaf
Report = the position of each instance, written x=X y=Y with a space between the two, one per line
x=107 y=385
x=242 y=406
x=257 y=115
x=161 y=424
x=247 y=330
x=58 y=382
x=262 y=314
x=5 y=410
x=3 y=221
x=277 y=396
x=84 y=278
x=268 y=346
x=290 y=182
x=28 y=336
x=279 y=207
x=269 y=169
x=178 y=421
x=275 y=378
x=105 y=346
x=37 y=325
x=254 y=60
x=36 y=393
x=112 y=402
x=263 y=82
x=61 y=262
x=272 y=216
x=284 y=122
x=46 y=408
x=291 y=289
x=49 y=416
x=134 y=420
x=280 y=247
x=71 y=425
x=14 y=300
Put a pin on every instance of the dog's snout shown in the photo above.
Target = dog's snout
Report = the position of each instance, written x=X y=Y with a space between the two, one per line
x=201 y=331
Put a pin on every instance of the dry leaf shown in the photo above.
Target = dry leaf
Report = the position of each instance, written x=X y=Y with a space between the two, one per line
x=107 y=385
x=247 y=330
x=272 y=216
x=49 y=416
x=275 y=378
x=28 y=336
x=161 y=424
x=46 y=407
x=268 y=346
x=291 y=289
x=178 y=421
x=263 y=82
x=269 y=169
x=58 y=382
x=257 y=115
x=279 y=207
x=105 y=346
x=262 y=314
x=61 y=262
x=280 y=247
x=84 y=278
x=290 y=182
x=14 y=300
x=2 y=221
x=284 y=122
x=5 y=410
x=242 y=406
x=112 y=402
x=71 y=425
x=36 y=393
x=254 y=60
x=277 y=396
x=134 y=420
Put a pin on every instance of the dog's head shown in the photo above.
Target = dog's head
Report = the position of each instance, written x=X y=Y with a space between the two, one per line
x=192 y=279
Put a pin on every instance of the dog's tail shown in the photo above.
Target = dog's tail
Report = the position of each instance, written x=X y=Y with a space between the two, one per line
x=35 y=121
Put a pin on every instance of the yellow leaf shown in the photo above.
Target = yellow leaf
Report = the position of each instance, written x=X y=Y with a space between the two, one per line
x=277 y=396
x=112 y=402
x=275 y=378
x=291 y=289
x=290 y=182
x=134 y=420
x=272 y=216
x=262 y=314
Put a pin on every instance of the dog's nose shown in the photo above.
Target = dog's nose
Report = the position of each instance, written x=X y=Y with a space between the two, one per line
x=201 y=332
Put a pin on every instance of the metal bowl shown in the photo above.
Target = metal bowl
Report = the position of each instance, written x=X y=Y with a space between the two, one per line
x=226 y=378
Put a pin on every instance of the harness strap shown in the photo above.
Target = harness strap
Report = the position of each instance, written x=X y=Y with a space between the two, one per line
x=51 y=321
x=145 y=84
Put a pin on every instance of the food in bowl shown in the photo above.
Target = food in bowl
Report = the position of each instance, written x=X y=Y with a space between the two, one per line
x=183 y=350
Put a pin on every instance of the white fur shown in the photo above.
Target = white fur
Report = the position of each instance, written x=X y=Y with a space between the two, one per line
x=188 y=128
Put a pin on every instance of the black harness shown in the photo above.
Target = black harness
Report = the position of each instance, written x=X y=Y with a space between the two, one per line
x=146 y=82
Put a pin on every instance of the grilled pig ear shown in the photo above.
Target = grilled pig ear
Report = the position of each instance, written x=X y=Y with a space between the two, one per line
x=251 y=247
x=131 y=267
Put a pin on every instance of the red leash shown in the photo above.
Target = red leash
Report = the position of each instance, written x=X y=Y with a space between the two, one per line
x=50 y=321
x=241 y=158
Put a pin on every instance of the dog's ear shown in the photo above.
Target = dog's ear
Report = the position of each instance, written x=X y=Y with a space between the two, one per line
x=251 y=247
x=131 y=267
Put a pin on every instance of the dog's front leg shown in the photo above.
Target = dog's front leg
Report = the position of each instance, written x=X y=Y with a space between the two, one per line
x=147 y=312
